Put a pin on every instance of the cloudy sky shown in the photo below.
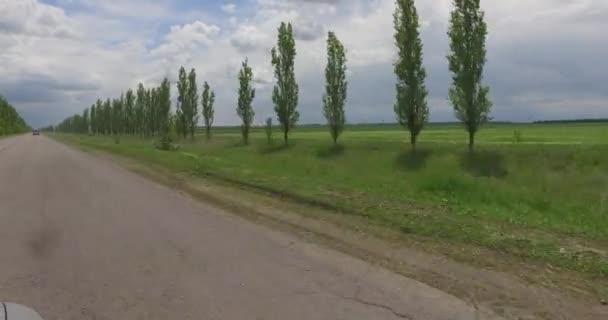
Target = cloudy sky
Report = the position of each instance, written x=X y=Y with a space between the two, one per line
x=546 y=58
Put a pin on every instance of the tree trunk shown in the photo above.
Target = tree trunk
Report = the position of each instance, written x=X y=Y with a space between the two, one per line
x=208 y=130
x=471 y=142
x=285 y=131
x=334 y=134
x=413 y=139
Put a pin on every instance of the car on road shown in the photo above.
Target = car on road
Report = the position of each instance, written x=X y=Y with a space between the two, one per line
x=36 y=132
x=17 y=312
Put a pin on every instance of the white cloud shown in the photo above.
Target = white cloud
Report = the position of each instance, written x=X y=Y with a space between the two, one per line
x=198 y=32
x=249 y=37
x=28 y=17
x=140 y=9
x=229 y=7
x=184 y=42
x=544 y=54
x=308 y=30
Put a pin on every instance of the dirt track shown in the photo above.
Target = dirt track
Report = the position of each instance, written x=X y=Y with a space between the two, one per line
x=82 y=238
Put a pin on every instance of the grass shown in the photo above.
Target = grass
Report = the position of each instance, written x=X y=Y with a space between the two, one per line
x=542 y=197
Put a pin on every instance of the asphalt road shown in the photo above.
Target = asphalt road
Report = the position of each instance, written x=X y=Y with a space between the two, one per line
x=83 y=238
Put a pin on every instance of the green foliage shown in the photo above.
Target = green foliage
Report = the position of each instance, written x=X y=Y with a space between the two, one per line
x=268 y=130
x=335 y=86
x=285 y=92
x=107 y=116
x=173 y=122
x=86 y=120
x=187 y=103
x=468 y=32
x=411 y=107
x=180 y=123
x=517 y=136
x=10 y=121
x=151 y=115
x=246 y=96
x=129 y=115
x=117 y=116
x=208 y=98
x=144 y=113
x=93 y=119
x=183 y=103
x=166 y=143
x=100 y=117
x=164 y=108
x=141 y=111
x=192 y=98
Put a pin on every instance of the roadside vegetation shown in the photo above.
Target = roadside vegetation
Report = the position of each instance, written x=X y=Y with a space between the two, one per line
x=538 y=192
x=10 y=121
x=149 y=114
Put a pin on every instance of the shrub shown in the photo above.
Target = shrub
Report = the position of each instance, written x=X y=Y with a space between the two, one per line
x=517 y=136
x=268 y=130
x=166 y=144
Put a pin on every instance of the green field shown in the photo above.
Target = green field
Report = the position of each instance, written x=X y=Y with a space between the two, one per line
x=544 y=198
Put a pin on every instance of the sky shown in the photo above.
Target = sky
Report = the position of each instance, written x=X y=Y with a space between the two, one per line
x=546 y=58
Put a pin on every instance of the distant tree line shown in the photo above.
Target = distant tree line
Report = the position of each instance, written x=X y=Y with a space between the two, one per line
x=148 y=111
x=572 y=121
x=10 y=121
x=145 y=113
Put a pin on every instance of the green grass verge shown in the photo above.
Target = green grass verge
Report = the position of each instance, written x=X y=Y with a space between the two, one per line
x=545 y=199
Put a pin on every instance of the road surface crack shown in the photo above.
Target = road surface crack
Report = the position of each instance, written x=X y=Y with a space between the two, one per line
x=355 y=298
x=378 y=305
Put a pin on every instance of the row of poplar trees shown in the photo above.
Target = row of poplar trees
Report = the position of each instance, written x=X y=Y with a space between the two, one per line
x=467 y=57
x=148 y=111
x=10 y=121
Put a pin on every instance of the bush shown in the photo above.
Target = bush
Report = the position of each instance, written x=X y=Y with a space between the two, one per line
x=517 y=136
x=166 y=144
x=268 y=130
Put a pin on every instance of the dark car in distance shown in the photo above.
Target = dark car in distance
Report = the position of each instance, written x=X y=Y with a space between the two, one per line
x=36 y=132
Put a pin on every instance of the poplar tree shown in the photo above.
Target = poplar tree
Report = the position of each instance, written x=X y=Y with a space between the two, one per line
x=285 y=92
x=246 y=96
x=192 y=95
x=129 y=115
x=208 y=98
x=335 y=86
x=183 y=104
x=467 y=57
x=411 y=107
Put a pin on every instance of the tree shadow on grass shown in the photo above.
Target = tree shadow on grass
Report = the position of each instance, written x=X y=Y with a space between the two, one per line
x=411 y=160
x=485 y=164
x=238 y=144
x=333 y=151
x=275 y=148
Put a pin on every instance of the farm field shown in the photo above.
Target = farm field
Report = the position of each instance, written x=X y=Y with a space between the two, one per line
x=542 y=197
